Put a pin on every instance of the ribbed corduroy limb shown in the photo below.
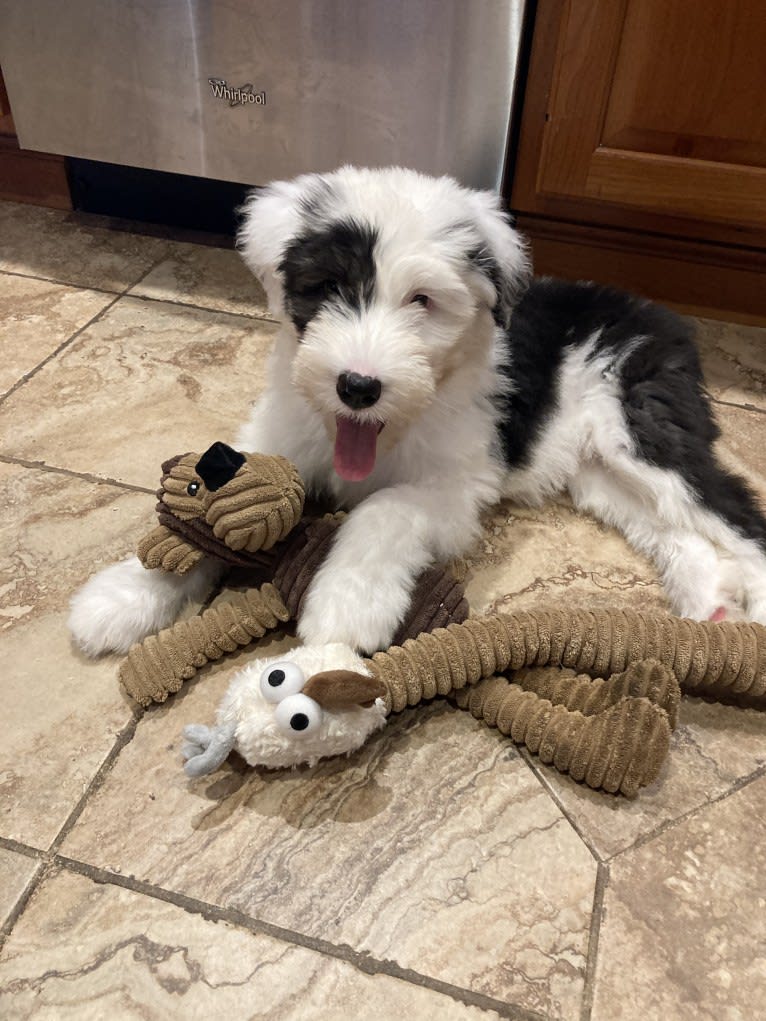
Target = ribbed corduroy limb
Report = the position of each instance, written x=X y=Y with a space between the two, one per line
x=165 y=550
x=718 y=659
x=712 y=658
x=590 y=695
x=619 y=749
x=161 y=663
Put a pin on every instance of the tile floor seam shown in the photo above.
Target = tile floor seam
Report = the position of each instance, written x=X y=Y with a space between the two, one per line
x=201 y=308
x=129 y=293
x=364 y=962
x=70 y=340
x=25 y=378
x=122 y=740
x=539 y=773
x=594 y=935
x=99 y=480
x=61 y=283
x=48 y=859
x=36 y=879
x=670 y=824
x=741 y=407
x=19 y=847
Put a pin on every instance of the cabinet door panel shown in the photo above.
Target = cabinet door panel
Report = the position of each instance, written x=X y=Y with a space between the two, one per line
x=658 y=104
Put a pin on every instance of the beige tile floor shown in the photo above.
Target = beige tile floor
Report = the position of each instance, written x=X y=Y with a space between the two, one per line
x=438 y=872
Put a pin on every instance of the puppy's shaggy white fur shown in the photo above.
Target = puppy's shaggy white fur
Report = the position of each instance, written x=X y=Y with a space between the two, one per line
x=418 y=377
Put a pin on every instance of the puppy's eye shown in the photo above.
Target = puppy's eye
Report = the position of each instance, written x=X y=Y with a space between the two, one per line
x=298 y=716
x=421 y=299
x=280 y=680
x=324 y=287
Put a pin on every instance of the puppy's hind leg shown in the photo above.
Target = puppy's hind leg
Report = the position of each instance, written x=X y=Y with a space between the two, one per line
x=126 y=602
x=729 y=513
x=696 y=577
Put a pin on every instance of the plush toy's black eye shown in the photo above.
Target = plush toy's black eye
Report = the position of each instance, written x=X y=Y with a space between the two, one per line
x=281 y=679
x=193 y=488
x=298 y=716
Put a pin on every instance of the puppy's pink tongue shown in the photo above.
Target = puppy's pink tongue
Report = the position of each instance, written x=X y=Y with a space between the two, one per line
x=355 y=447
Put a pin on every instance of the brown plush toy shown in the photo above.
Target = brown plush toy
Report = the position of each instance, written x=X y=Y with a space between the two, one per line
x=245 y=510
x=599 y=704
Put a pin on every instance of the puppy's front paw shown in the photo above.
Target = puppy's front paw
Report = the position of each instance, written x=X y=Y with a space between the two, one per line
x=342 y=607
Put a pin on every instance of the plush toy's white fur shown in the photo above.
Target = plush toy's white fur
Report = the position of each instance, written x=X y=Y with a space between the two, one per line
x=249 y=724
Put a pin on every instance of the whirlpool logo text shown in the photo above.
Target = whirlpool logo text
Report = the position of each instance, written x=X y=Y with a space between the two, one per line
x=236 y=97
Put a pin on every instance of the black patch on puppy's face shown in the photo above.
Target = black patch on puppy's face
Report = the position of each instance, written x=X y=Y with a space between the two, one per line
x=331 y=263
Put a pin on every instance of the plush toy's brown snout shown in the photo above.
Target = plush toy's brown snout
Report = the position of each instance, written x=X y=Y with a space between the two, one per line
x=223 y=504
x=343 y=689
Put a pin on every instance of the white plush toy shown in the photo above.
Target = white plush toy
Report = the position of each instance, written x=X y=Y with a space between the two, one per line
x=316 y=702
x=611 y=732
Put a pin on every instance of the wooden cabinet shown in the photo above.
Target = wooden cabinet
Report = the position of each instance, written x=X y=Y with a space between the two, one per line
x=643 y=135
x=27 y=176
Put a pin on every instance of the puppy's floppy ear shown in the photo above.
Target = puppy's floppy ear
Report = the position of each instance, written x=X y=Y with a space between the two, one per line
x=502 y=257
x=271 y=218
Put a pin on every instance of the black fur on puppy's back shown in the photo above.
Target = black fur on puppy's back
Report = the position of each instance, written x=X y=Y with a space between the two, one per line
x=551 y=317
x=654 y=356
x=671 y=420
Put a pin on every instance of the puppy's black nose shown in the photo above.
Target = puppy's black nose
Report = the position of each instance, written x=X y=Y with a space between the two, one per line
x=358 y=391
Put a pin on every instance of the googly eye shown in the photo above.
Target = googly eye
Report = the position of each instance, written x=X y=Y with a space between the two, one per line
x=298 y=715
x=280 y=680
x=193 y=488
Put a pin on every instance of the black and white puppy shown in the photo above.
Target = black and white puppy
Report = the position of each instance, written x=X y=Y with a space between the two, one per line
x=419 y=376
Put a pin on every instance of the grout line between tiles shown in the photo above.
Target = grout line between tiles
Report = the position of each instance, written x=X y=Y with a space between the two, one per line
x=670 y=824
x=54 y=354
x=596 y=918
x=101 y=480
x=540 y=774
x=363 y=962
x=264 y=318
x=741 y=407
x=124 y=737
x=129 y=292
x=19 y=907
x=93 y=319
x=9 y=844
x=61 y=283
x=48 y=859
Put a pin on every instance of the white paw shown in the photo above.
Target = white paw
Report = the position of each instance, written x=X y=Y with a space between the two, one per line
x=342 y=606
x=124 y=603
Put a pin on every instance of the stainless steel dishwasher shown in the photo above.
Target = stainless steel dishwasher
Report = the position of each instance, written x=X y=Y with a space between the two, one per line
x=246 y=91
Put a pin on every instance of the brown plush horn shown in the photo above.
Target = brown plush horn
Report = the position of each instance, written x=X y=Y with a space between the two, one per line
x=343 y=689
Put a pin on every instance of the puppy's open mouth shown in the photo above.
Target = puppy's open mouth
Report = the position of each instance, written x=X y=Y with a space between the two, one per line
x=356 y=445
